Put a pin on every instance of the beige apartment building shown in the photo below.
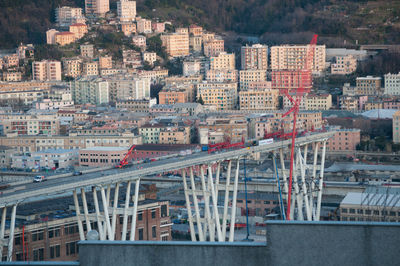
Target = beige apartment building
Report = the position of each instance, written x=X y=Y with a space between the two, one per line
x=344 y=65
x=87 y=50
x=22 y=124
x=195 y=30
x=97 y=7
x=213 y=48
x=126 y=10
x=43 y=142
x=46 y=70
x=139 y=41
x=144 y=26
x=12 y=76
x=259 y=99
x=150 y=57
x=221 y=95
x=195 y=43
x=318 y=101
x=64 y=38
x=348 y=103
x=344 y=140
x=79 y=29
x=223 y=61
x=51 y=36
x=72 y=67
x=254 y=57
x=176 y=44
x=251 y=75
x=292 y=57
x=105 y=62
x=174 y=135
x=219 y=128
x=141 y=106
x=368 y=85
x=128 y=28
x=158 y=27
x=173 y=96
x=222 y=75
x=90 y=69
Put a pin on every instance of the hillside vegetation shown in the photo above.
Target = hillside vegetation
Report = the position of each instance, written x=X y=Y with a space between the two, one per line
x=275 y=20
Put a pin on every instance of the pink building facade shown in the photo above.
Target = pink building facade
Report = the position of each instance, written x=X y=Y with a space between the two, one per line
x=344 y=140
x=101 y=156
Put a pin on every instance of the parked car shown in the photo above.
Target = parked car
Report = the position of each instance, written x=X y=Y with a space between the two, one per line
x=77 y=173
x=39 y=178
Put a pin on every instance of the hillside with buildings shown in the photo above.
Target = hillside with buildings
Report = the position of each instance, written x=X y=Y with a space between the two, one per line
x=346 y=21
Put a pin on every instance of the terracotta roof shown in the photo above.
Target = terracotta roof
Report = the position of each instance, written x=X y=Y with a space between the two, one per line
x=65 y=33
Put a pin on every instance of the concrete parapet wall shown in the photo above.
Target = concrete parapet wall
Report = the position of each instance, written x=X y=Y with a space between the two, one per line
x=288 y=243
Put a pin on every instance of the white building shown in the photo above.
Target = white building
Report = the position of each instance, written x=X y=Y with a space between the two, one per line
x=90 y=90
x=144 y=26
x=392 y=84
x=51 y=36
x=51 y=158
x=66 y=16
x=126 y=10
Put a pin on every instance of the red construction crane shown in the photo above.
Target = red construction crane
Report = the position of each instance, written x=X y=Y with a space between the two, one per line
x=127 y=158
x=304 y=77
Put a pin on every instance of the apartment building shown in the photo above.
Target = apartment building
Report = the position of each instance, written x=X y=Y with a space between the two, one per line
x=128 y=28
x=223 y=61
x=105 y=62
x=26 y=124
x=51 y=158
x=124 y=87
x=182 y=30
x=102 y=156
x=195 y=66
x=79 y=29
x=344 y=140
x=66 y=16
x=254 y=57
x=72 y=67
x=158 y=27
x=126 y=10
x=392 y=84
x=131 y=59
x=51 y=36
x=396 y=127
x=97 y=7
x=174 y=135
x=46 y=70
x=173 y=96
x=291 y=80
x=150 y=133
x=259 y=99
x=214 y=47
x=195 y=43
x=368 y=85
x=90 y=90
x=233 y=127
x=261 y=127
x=29 y=144
x=223 y=96
x=139 y=41
x=90 y=69
x=87 y=50
x=207 y=36
x=318 y=101
x=176 y=44
x=378 y=205
x=195 y=30
x=292 y=57
x=12 y=76
x=141 y=106
x=251 y=75
x=150 y=57
x=222 y=75
x=64 y=38
x=156 y=75
x=144 y=26
x=27 y=97
x=344 y=65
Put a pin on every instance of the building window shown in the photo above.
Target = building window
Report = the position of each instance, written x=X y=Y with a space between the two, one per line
x=71 y=248
x=140 y=216
x=154 y=231
x=368 y=212
x=352 y=211
x=55 y=251
x=164 y=210
x=140 y=231
x=54 y=232
x=344 y=210
x=153 y=214
x=37 y=235
x=38 y=254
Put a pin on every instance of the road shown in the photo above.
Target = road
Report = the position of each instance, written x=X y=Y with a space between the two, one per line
x=33 y=191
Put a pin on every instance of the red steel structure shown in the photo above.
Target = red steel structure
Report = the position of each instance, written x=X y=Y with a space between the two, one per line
x=127 y=158
x=302 y=79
